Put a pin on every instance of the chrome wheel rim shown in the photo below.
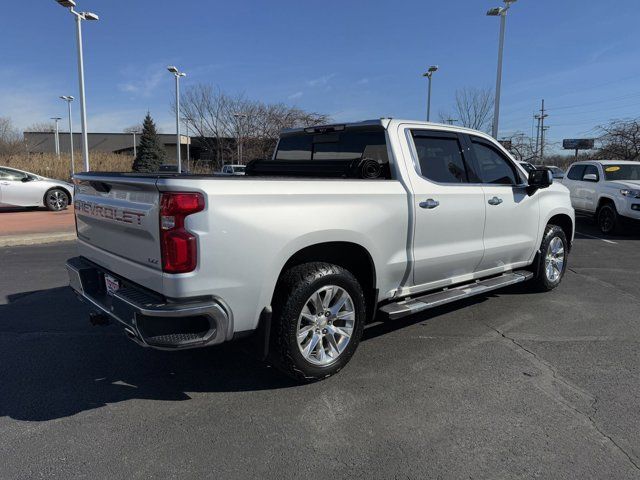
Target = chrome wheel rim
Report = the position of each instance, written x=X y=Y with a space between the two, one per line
x=57 y=200
x=325 y=325
x=554 y=260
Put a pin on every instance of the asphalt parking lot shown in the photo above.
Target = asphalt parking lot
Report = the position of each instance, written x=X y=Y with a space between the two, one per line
x=514 y=385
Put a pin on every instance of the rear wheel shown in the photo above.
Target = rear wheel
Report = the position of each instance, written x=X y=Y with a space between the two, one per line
x=551 y=261
x=56 y=199
x=607 y=219
x=319 y=317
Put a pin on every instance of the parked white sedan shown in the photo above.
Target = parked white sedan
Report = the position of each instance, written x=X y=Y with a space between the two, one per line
x=23 y=189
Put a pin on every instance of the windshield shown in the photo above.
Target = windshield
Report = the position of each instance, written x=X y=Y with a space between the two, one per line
x=622 y=172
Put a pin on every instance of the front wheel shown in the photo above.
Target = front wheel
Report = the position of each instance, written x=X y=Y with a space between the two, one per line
x=56 y=199
x=607 y=219
x=319 y=317
x=551 y=261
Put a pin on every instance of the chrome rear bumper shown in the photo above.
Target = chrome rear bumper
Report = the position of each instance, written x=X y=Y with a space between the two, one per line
x=149 y=318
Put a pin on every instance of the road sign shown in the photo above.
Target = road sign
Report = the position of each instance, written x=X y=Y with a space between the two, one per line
x=577 y=143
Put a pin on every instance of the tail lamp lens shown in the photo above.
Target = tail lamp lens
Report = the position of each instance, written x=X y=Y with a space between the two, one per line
x=179 y=246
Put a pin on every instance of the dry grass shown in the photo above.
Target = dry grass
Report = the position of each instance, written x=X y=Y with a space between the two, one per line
x=48 y=165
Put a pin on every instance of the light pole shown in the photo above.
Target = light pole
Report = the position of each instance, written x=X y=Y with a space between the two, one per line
x=502 y=13
x=239 y=117
x=69 y=99
x=176 y=73
x=135 y=148
x=429 y=73
x=186 y=127
x=80 y=16
x=56 y=138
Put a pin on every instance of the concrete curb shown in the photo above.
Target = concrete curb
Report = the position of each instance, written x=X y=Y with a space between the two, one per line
x=36 y=238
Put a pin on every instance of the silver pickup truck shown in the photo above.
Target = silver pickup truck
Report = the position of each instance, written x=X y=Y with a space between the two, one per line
x=345 y=223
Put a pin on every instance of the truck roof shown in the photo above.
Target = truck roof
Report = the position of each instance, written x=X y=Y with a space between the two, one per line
x=386 y=123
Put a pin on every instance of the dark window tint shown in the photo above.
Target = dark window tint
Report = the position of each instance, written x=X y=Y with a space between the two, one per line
x=348 y=145
x=576 y=172
x=440 y=159
x=622 y=172
x=591 y=169
x=493 y=167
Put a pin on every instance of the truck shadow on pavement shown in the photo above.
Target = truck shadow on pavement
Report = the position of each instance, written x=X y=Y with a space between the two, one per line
x=54 y=364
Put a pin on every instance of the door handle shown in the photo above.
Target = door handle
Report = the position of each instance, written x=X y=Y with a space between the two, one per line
x=495 y=201
x=429 y=203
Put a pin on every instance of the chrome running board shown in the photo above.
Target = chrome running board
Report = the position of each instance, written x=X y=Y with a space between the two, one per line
x=409 y=306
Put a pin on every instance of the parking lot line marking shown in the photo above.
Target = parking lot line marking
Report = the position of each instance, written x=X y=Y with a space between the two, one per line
x=596 y=238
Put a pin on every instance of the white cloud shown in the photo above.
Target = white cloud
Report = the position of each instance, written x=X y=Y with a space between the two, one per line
x=295 y=96
x=320 y=81
x=362 y=81
x=145 y=86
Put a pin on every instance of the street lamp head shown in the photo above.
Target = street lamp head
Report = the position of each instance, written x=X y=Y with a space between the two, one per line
x=494 y=12
x=172 y=69
x=432 y=68
x=181 y=74
x=67 y=3
x=68 y=98
x=90 y=16
x=56 y=118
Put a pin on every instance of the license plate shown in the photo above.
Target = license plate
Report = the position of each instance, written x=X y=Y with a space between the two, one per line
x=111 y=283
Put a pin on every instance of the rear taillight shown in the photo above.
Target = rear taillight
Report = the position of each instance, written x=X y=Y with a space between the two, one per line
x=179 y=246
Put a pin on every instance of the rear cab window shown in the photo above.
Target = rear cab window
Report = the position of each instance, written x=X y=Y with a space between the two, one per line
x=331 y=151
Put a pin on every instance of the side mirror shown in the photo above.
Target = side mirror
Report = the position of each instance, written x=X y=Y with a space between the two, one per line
x=590 y=177
x=539 y=178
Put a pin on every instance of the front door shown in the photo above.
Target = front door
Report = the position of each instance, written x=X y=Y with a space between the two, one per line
x=513 y=217
x=449 y=210
x=13 y=191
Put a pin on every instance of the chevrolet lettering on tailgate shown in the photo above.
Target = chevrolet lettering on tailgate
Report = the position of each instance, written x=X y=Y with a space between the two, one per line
x=110 y=213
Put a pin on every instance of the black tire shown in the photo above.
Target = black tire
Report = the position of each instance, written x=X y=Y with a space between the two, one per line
x=294 y=290
x=542 y=280
x=56 y=199
x=608 y=219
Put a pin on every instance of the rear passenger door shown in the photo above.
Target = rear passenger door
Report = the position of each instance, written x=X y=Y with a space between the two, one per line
x=449 y=209
x=512 y=215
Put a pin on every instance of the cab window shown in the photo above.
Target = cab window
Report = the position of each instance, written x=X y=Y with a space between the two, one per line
x=440 y=157
x=576 y=172
x=493 y=166
x=591 y=169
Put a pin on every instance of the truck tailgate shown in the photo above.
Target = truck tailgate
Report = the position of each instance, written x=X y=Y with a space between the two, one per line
x=120 y=215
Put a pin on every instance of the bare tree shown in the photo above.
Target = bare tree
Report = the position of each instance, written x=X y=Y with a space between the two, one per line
x=620 y=140
x=10 y=138
x=221 y=121
x=45 y=127
x=137 y=128
x=472 y=108
x=522 y=147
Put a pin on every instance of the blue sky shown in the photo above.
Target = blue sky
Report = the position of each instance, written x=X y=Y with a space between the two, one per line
x=353 y=59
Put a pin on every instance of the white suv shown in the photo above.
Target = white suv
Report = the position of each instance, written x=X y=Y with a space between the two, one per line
x=607 y=189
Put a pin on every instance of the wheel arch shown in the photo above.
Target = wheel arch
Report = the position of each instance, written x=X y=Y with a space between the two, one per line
x=56 y=187
x=565 y=222
x=349 y=255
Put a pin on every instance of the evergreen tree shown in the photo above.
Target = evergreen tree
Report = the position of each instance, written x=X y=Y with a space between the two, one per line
x=151 y=152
